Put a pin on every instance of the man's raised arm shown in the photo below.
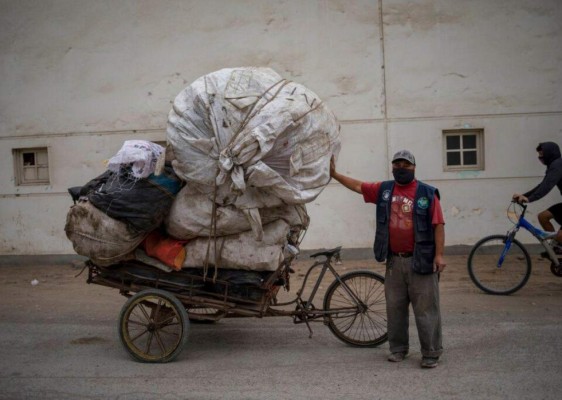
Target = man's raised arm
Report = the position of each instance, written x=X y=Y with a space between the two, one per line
x=350 y=183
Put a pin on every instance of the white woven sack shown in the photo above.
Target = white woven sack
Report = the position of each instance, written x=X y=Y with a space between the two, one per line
x=241 y=251
x=241 y=128
x=191 y=214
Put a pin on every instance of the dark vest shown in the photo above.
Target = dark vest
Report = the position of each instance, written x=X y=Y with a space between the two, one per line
x=424 y=246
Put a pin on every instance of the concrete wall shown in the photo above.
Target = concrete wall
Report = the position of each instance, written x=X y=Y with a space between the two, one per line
x=81 y=77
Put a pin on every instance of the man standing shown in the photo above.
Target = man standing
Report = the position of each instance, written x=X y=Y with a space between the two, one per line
x=410 y=237
x=549 y=155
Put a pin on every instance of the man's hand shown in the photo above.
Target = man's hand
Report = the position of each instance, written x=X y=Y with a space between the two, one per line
x=332 y=167
x=439 y=264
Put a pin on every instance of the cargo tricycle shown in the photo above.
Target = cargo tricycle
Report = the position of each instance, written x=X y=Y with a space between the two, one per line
x=155 y=320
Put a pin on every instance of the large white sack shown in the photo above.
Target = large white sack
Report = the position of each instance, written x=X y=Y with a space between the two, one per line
x=247 y=128
x=241 y=251
x=191 y=216
x=99 y=237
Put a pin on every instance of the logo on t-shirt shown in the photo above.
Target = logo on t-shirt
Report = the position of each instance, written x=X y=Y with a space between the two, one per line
x=386 y=195
x=423 y=203
x=406 y=208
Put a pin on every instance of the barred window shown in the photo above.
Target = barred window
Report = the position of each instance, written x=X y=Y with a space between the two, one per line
x=31 y=166
x=463 y=149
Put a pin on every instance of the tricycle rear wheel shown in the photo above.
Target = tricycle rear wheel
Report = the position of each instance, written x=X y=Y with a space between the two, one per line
x=153 y=326
x=362 y=325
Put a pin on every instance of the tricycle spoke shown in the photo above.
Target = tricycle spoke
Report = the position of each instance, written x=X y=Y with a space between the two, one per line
x=170 y=318
x=141 y=307
x=133 y=339
x=149 y=342
x=157 y=310
x=132 y=322
x=176 y=334
x=160 y=344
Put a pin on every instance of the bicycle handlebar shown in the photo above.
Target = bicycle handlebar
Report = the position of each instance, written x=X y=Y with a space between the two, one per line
x=522 y=205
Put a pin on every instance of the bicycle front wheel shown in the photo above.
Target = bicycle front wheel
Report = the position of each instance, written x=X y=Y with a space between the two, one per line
x=492 y=278
x=359 y=321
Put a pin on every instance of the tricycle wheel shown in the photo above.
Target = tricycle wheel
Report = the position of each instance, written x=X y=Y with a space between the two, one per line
x=361 y=321
x=153 y=326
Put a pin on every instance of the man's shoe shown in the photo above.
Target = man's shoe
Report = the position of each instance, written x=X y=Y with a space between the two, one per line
x=398 y=357
x=429 y=362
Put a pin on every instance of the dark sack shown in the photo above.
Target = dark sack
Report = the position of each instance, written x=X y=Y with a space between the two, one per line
x=141 y=203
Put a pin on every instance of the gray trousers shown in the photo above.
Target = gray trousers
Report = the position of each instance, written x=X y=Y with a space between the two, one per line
x=402 y=287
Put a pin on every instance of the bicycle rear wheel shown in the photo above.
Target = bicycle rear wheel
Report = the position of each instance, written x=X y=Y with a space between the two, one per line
x=362 y=325
x=505 y=279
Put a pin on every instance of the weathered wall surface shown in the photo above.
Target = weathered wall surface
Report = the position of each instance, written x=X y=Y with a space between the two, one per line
x=448 y=58
x=495 y=65
x=93 y=66
x=81 y=77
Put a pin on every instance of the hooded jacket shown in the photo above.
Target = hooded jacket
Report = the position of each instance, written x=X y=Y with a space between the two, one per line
x=553 y=176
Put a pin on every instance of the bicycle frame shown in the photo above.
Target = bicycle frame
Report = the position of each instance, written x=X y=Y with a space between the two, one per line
x=307 y=303
x=304 y=311
x=540 y=235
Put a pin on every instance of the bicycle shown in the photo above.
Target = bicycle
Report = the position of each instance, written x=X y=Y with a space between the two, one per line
x=155 y=321
x=500 y=264
x=354 y=306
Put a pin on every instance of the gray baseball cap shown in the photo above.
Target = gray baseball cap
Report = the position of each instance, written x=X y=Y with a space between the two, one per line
x=404 y=155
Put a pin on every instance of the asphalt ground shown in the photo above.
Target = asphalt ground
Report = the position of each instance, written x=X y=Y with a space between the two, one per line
x=59 y=341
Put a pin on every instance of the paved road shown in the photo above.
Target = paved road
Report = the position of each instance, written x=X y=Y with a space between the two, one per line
x=59 y=341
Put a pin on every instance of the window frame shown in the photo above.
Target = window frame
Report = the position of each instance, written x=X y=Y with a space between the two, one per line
x=479 y=134
x=19 y=167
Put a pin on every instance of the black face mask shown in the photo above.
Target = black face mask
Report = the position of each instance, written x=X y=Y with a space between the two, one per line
x=403 y=176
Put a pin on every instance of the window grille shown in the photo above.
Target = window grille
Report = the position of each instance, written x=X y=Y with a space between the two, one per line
x=463 y=149
x=31 y=166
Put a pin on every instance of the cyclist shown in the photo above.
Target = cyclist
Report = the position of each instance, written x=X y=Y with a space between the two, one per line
x=549 y=155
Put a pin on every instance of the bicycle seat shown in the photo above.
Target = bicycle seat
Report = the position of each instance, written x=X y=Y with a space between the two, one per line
x=327 y=253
